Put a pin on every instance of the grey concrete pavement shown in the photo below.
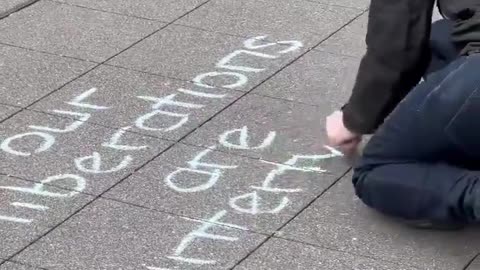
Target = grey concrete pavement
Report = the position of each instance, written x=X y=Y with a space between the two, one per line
x=195 y=55
x=7 y=111
x=336 y=72
x=283 y=254
x=8 y=7
x=166 y=11
x=28 y=75
x=29 y=210
x=17 y=266
x=72 y=31
x=189 y=134
x=339 y=221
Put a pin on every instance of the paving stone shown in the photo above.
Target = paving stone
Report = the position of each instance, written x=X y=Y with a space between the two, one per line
x=73 y=31
x=361 y=4
x=350 y=40
x=283 y=254
x=111 y=235
x=79 y=152
x=6 y=111
x=118 y=88
x=16 y=266
x=163 y=10
x=309 y=22
x=19 y=224
x=7 y=6
x=27 y=76
x=169 y=184
x=316 y=78
x=299 y=130
x=188 y=53
x=339 y=220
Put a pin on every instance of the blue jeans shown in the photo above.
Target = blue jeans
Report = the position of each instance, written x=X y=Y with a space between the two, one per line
x=423 y=163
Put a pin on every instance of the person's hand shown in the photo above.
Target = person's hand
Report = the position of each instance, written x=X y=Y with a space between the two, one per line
x=339 y=136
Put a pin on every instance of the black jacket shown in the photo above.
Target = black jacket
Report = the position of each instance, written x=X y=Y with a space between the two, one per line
x=398 y=54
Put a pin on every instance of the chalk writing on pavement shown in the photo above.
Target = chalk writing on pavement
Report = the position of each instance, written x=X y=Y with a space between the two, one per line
x=80 y=109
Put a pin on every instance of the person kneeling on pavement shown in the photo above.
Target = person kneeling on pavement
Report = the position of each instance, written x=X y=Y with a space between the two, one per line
x=422 y=164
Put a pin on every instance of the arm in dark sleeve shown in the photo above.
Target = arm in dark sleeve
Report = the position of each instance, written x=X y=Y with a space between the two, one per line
x=397 y=56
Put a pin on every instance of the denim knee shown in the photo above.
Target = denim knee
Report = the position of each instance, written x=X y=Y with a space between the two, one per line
x=359 y=178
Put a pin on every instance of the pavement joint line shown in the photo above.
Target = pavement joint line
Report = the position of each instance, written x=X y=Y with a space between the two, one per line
x=93 y=195
x=48 y=53
x=183 y=216
x=146 y=72
x=272 y=235
x=106 y=11
x=236 y=35
x=315 y=199
x=331 y=5
x=166 y=139
x=342 y=251
x=17 y=8
x=220 y=32
x=288 y=100
x=169 y=77
x=135 y=205
x=322 y=50
x=10 y=116
x=98 y=124
x=24 y=264
x=131 y=204
x=128 y=175
x=469 y=263
x=251 y=252
x=45 y=184
x=334 y=5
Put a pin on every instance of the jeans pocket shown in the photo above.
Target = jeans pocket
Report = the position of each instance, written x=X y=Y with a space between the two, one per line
x=464 y=128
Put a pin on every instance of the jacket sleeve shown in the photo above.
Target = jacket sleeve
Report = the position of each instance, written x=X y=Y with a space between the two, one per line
x=397 y=56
